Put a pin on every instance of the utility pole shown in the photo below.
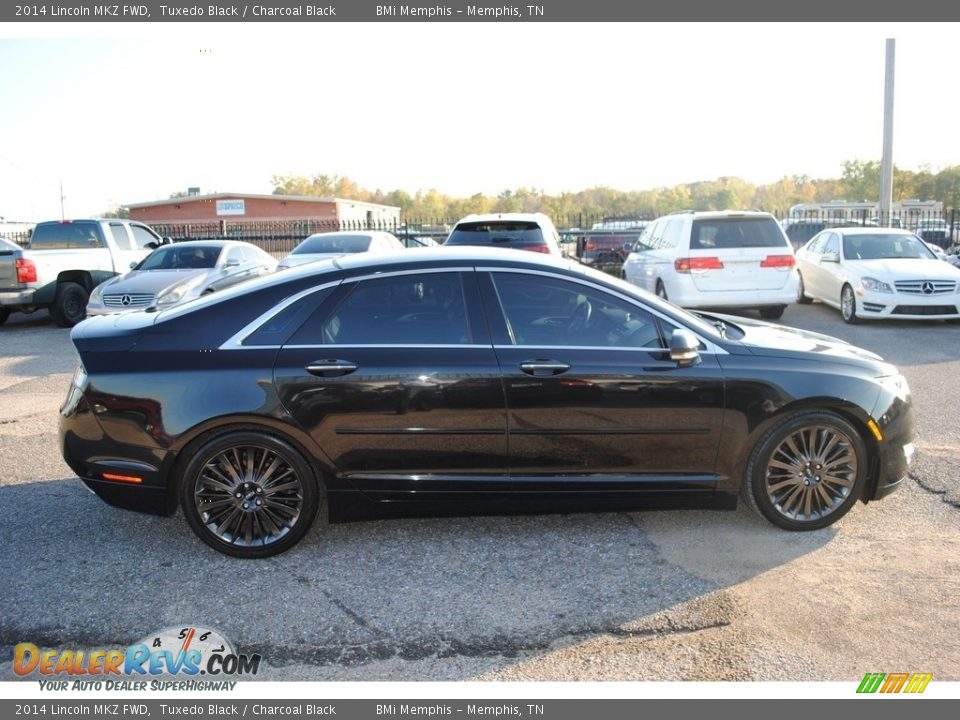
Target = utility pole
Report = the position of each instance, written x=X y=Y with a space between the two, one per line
x=62 y=214
x=886 y=164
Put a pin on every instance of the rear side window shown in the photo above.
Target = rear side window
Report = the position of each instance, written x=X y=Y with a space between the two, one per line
x=727 y=233
x=496 y=233
x=50 y=236
x=427 y=309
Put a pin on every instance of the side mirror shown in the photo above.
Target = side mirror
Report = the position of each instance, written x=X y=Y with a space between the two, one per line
x=684 y=348
x=133 y=264
x=230 y=264
x=830 y=257
x=166 y=241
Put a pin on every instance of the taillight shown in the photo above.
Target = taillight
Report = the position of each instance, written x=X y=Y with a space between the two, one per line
x=694 y=264
x=536 y=248
x=778 y=261
x=591 y=245
x=26 y=271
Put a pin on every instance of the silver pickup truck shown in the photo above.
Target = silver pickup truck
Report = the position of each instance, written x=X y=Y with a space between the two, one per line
x=65 y=261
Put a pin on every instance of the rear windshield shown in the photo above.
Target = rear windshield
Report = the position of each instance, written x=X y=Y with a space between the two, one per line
x=57 y=235
x=501 y=233
x=318 y=244
x=177 y=257
x=876 y=247
x=724 y=233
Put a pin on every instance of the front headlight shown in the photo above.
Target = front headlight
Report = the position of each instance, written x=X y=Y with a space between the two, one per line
x=897 y=384
x=869 y=283
x=173 y=295
x=96 y=297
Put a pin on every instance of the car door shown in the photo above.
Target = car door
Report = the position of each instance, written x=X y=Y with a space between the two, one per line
x=808 y=262
x=594 y=402
x=395 y=378
x=638 y=267
x=830 y=273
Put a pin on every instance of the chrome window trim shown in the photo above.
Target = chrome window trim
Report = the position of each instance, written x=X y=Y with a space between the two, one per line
x=384 y=345
x=235 y=342
x=711 y=347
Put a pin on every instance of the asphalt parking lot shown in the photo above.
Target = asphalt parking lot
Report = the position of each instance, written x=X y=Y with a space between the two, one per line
x=666 y=595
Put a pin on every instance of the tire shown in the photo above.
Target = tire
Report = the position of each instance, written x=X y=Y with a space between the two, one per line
x=848 y=306
x=4 y=314
x=785 y=476
x=661 y=290
x=70 y=305
x=255 y=515
x=772 y=312
x=801 y=294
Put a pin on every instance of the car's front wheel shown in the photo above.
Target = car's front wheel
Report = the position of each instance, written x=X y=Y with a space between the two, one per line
x=848 y=305
x=249 y=494
x=802 y=297
x=807 y=471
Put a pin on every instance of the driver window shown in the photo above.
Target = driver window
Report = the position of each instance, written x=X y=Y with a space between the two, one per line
x=546 y=311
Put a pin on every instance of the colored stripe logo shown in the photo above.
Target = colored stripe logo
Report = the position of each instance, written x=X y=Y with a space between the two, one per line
x=895 y=682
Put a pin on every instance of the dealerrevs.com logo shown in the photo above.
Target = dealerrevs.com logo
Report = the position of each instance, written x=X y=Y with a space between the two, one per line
x=185 y=651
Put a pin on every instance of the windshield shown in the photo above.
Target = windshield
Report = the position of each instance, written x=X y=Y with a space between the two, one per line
x=182 y=257
x=332 y=244
x=879 y=247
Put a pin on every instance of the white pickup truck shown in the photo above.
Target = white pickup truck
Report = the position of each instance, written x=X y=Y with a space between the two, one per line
x=65 y=261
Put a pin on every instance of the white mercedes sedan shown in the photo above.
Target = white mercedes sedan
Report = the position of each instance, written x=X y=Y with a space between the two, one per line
x=877 y=273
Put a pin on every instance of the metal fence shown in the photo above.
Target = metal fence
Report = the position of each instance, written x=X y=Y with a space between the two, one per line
x=279 y=237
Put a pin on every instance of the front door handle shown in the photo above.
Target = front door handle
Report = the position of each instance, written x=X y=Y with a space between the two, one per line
x=331 y=367
x=542 y=367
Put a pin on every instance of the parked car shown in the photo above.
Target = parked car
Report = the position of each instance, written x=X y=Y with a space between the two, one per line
x=603 y=248
x=471 y=380
x=321 y=246
x=716 y=259
x=933 y=230
x=521 y=231
x=414 y=240
x=66 y=260
x=877 y=273
x=177 y=273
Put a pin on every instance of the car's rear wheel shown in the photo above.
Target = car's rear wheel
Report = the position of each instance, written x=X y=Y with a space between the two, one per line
x=806 y=472
x=848 y=305
x=772 y=312
x=661 y=290
x=249 y=494
x=4 y=314
x=802 y=293
x=70 y=304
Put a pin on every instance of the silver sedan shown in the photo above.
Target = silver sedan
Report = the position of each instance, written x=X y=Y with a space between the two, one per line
x=180 y=272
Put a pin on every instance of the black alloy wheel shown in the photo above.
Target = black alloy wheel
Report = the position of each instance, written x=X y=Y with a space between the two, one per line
x=807 y=471
x=249 y=494
x=70 y=305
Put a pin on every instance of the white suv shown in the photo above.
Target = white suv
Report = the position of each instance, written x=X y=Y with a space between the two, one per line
x=522 y=231
x=716 y=259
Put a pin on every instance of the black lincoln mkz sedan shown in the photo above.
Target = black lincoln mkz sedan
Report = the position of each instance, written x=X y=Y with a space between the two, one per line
x=465 y=381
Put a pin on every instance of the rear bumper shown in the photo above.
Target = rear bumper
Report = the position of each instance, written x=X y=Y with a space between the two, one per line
x=686 y=294
x=123 y=475
x=17 y=297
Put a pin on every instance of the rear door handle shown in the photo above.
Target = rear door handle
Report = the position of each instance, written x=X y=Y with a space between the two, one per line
x=331 y=367
x=542 y=367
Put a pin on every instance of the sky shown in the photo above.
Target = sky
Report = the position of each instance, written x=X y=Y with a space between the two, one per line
x=131 y=113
